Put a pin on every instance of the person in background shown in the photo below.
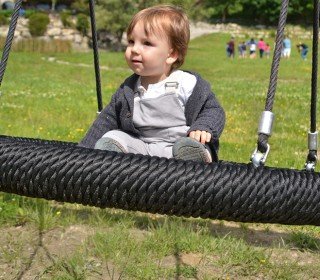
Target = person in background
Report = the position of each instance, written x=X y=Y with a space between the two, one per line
x=286 y=51
x=303 y=50
x=252 y=48
x=267 y=50
x=160 y=110
x=231 y=48
x=242 y=49
x=261 y=47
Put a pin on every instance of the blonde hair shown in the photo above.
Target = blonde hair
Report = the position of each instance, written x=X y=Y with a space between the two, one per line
x=172 y=21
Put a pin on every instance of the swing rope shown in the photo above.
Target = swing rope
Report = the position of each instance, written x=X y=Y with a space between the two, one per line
x=265 y=125
x=95 y=54
x=10 y=35
x=313 y=134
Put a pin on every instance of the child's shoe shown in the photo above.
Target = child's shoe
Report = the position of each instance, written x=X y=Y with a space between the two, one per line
x=109 y=144
x=187 y=148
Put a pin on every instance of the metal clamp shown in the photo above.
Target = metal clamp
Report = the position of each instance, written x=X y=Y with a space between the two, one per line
x=266 y=123
x=259 y=158
x=310 y=165
x=313 y=141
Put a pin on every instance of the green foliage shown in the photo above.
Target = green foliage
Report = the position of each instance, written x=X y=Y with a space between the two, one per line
x=38 y=23
x=222 y=8
x=66 y=19
x=11 y=211
x=30 y=12
x=114 y=16
x=262 y=11
x=304 y=241
x=81 y=6
x=6 y=13
x=82 y=24
x=3 y=20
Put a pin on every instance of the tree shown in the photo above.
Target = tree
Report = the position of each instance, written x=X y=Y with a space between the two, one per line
x=113 y=16
x=81 y=6
x=222 y=8
x=262 y=11
x=301 y=11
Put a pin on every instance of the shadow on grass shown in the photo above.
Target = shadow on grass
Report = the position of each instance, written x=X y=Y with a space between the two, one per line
x=261 y=235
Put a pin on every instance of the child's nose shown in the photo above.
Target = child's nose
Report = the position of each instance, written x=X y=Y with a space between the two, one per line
x=135 y=48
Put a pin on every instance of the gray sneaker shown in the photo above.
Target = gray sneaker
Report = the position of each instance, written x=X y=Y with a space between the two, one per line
x=187 y=148
x=109 y=144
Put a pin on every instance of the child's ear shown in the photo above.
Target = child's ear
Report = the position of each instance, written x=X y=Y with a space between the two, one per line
x=172 y=57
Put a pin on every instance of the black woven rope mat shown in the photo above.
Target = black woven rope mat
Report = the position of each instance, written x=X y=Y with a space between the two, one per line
x=62 y=171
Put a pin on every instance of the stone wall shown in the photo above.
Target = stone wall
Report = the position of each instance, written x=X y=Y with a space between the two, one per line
x=201 y=28
x=55 y=30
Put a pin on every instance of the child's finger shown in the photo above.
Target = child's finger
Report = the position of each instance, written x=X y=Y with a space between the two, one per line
x=191 y=134
x=208 y=137
x=197 y=135
x=203 y=138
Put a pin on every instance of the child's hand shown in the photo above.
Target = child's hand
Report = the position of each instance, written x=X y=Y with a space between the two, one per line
x=201 y=136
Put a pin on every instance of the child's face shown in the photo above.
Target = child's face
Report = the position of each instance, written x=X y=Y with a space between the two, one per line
x=149 y=56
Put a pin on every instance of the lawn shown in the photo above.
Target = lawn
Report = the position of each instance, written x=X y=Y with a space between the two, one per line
x=52 y=96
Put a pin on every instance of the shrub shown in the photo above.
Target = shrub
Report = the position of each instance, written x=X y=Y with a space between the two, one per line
x=66 y=19
x=38 y=23
x=82 y=24
x=3 y=20
x=6 y=13
x=29 y=13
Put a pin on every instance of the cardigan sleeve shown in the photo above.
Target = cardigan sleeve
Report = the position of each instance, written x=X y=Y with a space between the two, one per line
x=211 y=117
x=107 y=120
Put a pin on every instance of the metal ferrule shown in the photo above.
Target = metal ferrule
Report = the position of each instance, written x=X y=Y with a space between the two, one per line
x=266 y=122
x=313 y=141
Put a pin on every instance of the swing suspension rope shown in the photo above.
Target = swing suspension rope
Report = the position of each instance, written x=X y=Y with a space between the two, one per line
x=313 y=134
x=260 y=154
x=63 y=171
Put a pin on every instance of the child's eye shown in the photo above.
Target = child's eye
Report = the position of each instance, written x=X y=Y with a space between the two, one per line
x=147 y=43
x=130 y=42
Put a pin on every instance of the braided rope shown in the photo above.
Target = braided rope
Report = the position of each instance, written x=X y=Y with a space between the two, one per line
x=95 y=54
x=10 y=35
x=224 y=190
x=263 y=138
x=312 y=154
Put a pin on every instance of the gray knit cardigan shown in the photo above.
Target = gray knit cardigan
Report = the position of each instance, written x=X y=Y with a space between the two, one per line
x=202 y=111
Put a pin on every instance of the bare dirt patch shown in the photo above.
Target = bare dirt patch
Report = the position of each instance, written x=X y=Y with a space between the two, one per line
x=25 y=252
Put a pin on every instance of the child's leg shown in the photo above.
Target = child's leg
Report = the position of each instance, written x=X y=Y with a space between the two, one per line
x=187 y=148
x=119 y=141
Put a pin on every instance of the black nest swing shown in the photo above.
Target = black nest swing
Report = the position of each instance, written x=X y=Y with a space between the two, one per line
x=250 y=192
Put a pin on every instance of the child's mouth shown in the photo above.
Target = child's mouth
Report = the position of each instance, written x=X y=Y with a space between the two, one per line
x=136 y=61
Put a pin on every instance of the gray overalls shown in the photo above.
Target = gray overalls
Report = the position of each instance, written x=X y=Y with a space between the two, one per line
x=161 y=122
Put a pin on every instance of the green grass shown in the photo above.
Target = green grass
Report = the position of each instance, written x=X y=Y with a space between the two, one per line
x=49 y=100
